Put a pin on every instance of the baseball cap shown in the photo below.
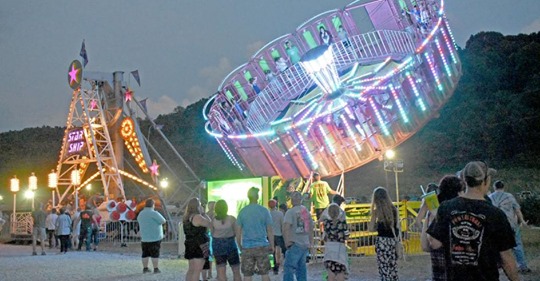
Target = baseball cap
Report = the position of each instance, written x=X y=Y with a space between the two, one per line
x=253 y=192
x=477 y=170
x=272 y=203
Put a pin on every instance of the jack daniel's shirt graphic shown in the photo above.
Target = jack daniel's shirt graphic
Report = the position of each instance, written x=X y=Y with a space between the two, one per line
x=473 y=233
x=466 y=236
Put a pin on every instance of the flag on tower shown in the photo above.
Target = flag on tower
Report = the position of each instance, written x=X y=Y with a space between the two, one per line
x=143 y=104
x=83 y=54
x=135 y=74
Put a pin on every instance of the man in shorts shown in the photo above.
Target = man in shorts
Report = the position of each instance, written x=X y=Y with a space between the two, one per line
x=151 y=227
x=319 y=191
x=38 y=231
x=255 y=237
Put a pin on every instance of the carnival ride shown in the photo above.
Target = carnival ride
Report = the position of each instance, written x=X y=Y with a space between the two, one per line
x=392 y=64
x=103 y=142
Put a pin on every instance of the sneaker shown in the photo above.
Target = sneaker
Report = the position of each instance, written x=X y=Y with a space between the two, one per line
x=145 y=270
x=156 y=270
x=34 y=254
x=43 y=254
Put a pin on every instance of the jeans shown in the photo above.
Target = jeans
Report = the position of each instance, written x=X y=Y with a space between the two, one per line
x=87 y=233
x=518 y=250
x=295 y=263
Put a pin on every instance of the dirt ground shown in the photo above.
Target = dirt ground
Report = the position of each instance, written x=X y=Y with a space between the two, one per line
x=113 y=262
x=414 y=267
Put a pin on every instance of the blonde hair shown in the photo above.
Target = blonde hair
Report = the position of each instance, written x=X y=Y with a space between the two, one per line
x=382 y=207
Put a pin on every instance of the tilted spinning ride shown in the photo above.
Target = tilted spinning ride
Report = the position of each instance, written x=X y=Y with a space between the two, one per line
x=340 y=90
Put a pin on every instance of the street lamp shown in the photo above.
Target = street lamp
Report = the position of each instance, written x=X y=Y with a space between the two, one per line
x=53 y=184
x=14 y=187
x=164 y=183
x=76 y=181
x=32 y=187
x=395 y=165
x=29 y=194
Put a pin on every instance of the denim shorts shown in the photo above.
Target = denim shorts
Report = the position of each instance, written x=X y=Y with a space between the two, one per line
x=225 y=250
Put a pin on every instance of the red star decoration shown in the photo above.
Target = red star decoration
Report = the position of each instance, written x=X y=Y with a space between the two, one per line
x=93 y=104
x=154 y=169
x=129 y=95
x=73 y=74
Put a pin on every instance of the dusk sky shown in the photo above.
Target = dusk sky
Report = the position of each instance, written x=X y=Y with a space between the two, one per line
x=183 y=49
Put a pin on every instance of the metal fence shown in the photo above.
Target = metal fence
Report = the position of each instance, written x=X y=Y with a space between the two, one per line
x=126 y=232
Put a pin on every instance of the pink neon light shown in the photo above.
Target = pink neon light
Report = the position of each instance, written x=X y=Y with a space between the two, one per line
x=73 y=74
x=154 y=169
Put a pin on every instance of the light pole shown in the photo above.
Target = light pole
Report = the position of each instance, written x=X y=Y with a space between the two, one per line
x=76 y=181
x=393 y=165
x=53 y=184
x=32 y=186
x=163 y=183
x=14 y=187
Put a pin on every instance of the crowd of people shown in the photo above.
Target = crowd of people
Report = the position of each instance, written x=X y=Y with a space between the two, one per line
x=65 y=229
x=469 y=233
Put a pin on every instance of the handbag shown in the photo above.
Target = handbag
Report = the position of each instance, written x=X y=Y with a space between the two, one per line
x=205 y=249
x=400 y=249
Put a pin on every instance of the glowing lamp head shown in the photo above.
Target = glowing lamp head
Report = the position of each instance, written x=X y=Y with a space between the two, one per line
x=29 y=194
x=14 y=184
x=53 y=180
x=319 y=64
x=164 y=183
x=32 y=182
x=390 y=154
x=75 y=177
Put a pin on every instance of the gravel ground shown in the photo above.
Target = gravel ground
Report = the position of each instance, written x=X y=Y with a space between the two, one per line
x=113 y=262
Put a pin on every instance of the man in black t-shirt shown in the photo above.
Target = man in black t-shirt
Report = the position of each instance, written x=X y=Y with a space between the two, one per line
x=86 y=228
x=476 y=235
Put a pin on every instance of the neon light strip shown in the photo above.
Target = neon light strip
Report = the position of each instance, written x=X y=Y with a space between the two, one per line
x=433 y=71
x=360 y=130
x=383 y=64
x=327 y=140
x=229 y=154
x=290 y=149
x=350 y=73
x=273 y=123
x=206 y=105
x=207 y=129
x=312 y=119
x=450 y=32
x=349 y=113
x=126 y=174
x=398 y=102
x=370 y=87
x=449 y=46
x=441 y=53
x=403 y=66
x=350 y=131
x=415 y=90
x=311 y=107
x=262 y=134
x=314 y=164
x=430 y=36
x=379 y=117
